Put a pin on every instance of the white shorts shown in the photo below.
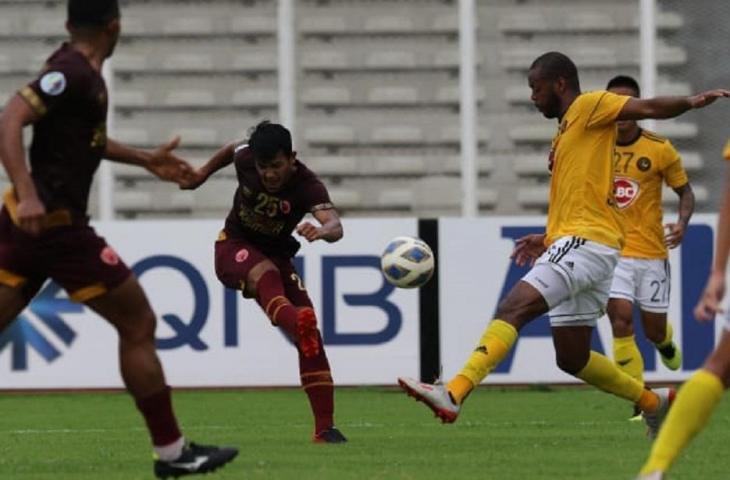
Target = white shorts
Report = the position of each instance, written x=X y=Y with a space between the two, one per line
x=644 y=281
x=574 y=277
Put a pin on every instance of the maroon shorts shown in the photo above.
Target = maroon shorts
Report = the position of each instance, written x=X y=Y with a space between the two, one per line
x=235 y=257
x=74 y=256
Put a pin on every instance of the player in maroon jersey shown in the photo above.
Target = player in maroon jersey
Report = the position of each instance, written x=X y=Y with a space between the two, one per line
x=44 y=231
x=254 y=250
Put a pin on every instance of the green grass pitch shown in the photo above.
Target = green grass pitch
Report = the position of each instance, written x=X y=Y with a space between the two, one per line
x=502 y=435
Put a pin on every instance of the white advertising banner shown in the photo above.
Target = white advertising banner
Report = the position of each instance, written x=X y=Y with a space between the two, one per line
x=210 y=336
x=475 y=270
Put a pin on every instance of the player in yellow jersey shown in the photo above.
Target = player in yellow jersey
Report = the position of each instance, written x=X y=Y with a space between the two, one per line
x=574 y=260
x=643 y=161
x=701 y=394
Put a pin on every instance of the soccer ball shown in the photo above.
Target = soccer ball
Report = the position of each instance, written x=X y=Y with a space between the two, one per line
x=407 y=262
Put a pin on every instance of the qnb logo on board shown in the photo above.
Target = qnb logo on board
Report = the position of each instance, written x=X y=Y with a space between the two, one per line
x=40 y=328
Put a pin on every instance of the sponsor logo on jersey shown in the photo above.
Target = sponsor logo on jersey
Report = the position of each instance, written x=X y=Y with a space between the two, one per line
x=53 y=83
x=241 y=255
x=285 y=207
x=109 y=256
x=625 y=191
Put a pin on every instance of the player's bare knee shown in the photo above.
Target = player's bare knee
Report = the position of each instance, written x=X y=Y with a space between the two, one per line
x=570 y=363
x=514 y=312
x=621 y=327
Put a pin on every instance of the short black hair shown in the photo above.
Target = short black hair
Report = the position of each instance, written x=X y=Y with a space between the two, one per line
x=92 y=13
x=267 y=140
x=554 y=65
x=626 y=82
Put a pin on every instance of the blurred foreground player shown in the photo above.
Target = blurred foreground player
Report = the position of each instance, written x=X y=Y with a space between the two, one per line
x=254 y=250
x=701 y=394
x=44 y=231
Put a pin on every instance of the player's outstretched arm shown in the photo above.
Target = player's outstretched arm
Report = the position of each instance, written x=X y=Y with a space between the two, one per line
x=220 y=159
x=675 y=231
x=330 y=229
x=667 y=107
x=161 y=162
x=15 y=116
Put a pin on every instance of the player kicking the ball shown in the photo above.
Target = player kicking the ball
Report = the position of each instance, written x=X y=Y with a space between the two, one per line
x=575 y=258
x=254 y=250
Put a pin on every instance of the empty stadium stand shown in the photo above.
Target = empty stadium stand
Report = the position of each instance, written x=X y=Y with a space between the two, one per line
x=377 y=92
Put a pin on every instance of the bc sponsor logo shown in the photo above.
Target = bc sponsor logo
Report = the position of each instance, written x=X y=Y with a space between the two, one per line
x=625 y=191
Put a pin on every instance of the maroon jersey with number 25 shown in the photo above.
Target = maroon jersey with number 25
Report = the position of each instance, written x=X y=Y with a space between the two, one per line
x=265 y=219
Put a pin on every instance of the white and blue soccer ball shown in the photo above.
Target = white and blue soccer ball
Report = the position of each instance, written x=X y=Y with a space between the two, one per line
x=407 y=262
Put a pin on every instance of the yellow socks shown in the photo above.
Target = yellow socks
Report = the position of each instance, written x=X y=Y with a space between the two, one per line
x=690 y=411
x=602 y=373
x=494 y=345
x=628 y=358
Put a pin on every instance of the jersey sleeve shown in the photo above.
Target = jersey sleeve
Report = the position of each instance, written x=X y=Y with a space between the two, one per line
x=603 y=107
x=58 y=84
x=316 y=197
x=674 y=173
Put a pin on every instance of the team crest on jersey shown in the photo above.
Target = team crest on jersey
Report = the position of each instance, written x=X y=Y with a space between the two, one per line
x=625 y=191
x=109 y=256
x=285 y=207
x=643 y=164
x=241 y=255
x=53 y=83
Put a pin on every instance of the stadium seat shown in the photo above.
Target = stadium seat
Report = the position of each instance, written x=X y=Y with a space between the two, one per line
x=333 y=165
x=487 y=198
x=535 y=196
x=196 y=137
x=327 y=96
x=130 y=98
x=402 y=95
x=46 y=27
x=445 y=23
x=189 y=26
x=255 y=62
x=345 y=198
x=325 y=60
x=130 y=201
x=319 y=25
x=133 y=136
x=389 y=24
x=255 y=97
x=391 y=60
x=190 y=98
x=398 y=198
x=451 y=94
x=187 y=62
x=330 y=135
x=397 y=165
x=397 y=135
x=669 y=198
x=253 y=25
